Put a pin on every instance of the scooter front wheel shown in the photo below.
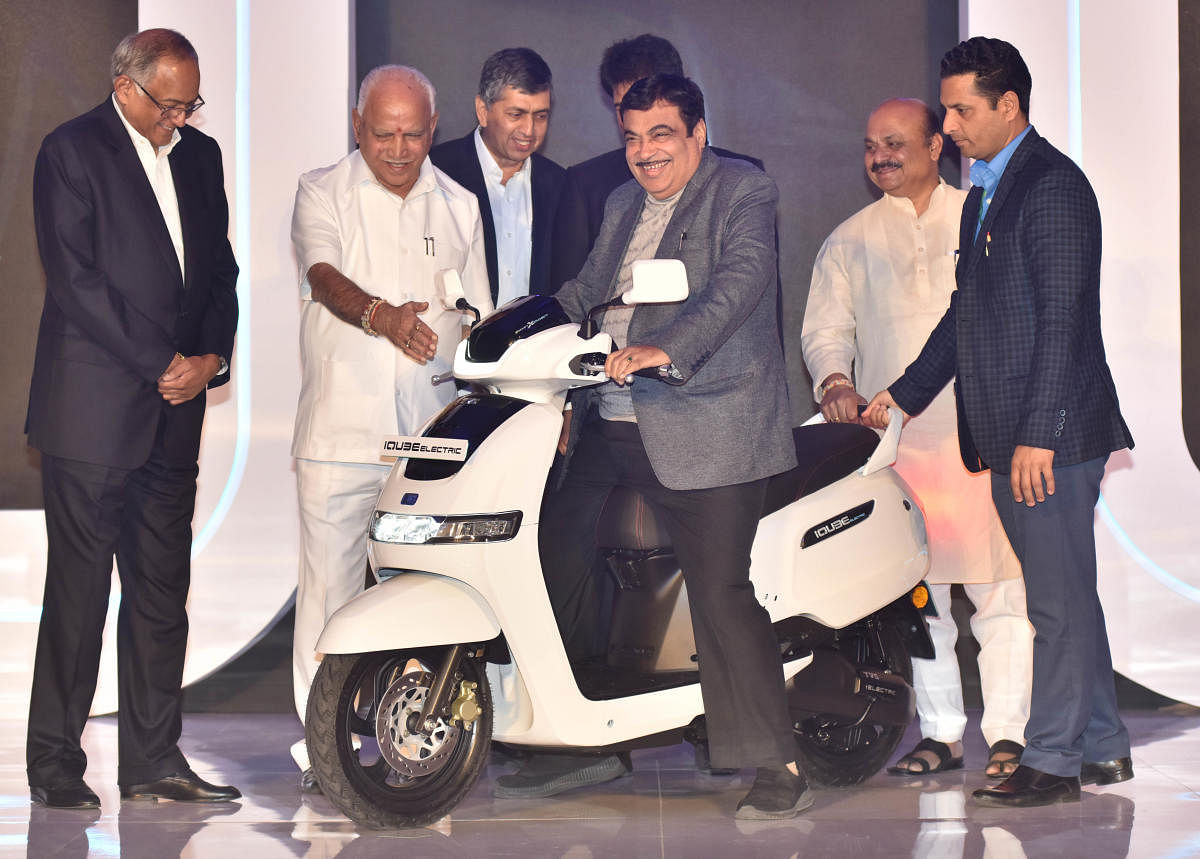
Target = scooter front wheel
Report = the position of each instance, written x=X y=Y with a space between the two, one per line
x=370 y=757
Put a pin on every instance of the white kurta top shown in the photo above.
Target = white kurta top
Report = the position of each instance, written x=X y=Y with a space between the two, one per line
x=356 y=389
x=880 y=284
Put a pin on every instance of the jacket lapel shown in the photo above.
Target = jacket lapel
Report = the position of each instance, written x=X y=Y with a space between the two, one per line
x=1007 y=181
x=187 y=195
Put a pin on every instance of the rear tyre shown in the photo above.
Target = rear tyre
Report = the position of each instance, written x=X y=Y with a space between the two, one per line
x=835 y=753
x=409 y=778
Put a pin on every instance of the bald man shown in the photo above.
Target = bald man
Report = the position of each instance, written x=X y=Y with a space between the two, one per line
x=880 y=284
x=370 y=341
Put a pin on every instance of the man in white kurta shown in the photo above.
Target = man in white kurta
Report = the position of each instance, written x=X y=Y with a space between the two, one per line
x=371 y=234
x=881 y=282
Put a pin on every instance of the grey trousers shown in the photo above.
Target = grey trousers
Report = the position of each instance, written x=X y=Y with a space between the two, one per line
x=712 y=530
x=1073 y=715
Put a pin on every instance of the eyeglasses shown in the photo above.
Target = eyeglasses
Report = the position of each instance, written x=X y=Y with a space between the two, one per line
x=172 y=113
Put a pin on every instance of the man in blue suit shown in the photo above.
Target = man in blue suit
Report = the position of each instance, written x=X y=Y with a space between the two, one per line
x=1036 y=405
x=139 y=319
x=518 y=188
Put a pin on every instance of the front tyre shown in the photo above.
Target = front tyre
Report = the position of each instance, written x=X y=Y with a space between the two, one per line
x=369 y=757
x=835 y=752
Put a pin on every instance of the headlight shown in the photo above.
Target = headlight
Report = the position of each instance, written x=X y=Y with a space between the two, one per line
x=423 y=529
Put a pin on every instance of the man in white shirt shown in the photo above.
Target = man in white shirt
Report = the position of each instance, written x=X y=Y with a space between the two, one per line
x=370 y=232
x=881 y=282
x=517 y=188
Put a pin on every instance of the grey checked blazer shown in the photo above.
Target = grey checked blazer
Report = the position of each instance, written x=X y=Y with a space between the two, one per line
x=729 y=420
x=1022 y=332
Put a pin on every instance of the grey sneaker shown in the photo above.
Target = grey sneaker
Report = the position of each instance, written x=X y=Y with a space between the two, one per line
x=549 y=773
x=775 y=795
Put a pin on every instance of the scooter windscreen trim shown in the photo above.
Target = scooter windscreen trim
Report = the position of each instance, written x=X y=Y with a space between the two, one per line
x=517 y=320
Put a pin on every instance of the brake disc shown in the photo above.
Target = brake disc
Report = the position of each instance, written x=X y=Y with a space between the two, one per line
x=408 y=751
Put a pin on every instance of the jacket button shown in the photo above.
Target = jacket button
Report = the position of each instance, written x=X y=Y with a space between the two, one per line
x=1062 y=413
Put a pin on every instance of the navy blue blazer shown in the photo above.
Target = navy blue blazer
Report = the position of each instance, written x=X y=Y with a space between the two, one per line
x=588 y=185
x=459 y=160
x=1022 y=333
x=117 y=307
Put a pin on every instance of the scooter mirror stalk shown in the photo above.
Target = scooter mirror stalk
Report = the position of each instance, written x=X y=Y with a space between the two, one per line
x=655 y=281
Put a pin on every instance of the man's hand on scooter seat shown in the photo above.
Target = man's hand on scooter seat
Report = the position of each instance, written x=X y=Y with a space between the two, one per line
x=876 y=414
x=840 y=405
x=622 y=364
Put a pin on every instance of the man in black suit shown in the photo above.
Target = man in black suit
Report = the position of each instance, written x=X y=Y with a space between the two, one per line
x=518 y=189
x=589 y=183
x=139 y=318
x=1036 y=405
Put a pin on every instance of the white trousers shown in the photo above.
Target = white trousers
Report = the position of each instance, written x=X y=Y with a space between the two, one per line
x=1005 y=637
x=336 y=502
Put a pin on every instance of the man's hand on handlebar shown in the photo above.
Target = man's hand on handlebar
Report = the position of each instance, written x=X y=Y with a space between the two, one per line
x=842 y=405
x=622 y=364
x=876 y=414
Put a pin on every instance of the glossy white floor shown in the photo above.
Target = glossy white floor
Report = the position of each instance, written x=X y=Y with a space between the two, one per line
x=665 y=809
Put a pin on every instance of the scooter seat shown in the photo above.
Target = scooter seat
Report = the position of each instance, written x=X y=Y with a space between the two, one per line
x=825 y=453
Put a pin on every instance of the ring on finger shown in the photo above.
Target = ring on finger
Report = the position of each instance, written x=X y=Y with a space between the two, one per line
x=407 y=342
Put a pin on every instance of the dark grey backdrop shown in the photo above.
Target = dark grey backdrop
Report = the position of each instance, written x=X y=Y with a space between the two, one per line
x=789 y=82
x=54 y=64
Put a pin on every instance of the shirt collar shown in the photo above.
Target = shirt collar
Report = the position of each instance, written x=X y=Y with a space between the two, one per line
x=907 y=204
x=987 y=174
x=140 y=141
x=487 y=162
x=360 y=174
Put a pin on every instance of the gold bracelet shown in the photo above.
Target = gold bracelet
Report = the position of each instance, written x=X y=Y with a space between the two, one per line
x=368 y=316
x=829 y=386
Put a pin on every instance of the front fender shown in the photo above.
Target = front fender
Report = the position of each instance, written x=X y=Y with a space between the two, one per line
x=409 y=610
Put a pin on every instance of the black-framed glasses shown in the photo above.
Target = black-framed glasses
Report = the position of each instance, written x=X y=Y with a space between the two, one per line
x=172 y=113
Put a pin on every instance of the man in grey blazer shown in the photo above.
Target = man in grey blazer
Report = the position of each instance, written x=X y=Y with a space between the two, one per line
x=1036 y=405
x=698 y=443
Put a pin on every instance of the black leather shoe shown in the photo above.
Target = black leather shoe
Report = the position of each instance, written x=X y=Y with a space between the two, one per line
x=1106 y=772
x=1027 y=787
x=67 y=794
x=308 y=782
x=183 y=786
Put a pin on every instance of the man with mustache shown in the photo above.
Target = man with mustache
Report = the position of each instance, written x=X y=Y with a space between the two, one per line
x=518 y=189
x=1036 y=404
x=881 y=282
x=371 y=233
x=721 y=389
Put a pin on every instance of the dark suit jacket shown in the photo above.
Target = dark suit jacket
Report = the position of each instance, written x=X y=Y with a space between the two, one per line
x=587 y=187
x=459 y=160
x=117 y=308
x=728 y=420
x=1022 y=332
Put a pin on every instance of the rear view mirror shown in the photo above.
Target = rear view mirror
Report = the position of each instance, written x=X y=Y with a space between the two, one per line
x=449 y=288
x=657 y=281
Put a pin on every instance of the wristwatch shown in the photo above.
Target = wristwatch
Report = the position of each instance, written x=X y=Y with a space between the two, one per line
x=222 y=365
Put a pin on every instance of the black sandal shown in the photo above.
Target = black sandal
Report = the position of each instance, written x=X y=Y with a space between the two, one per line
x=945 y=760
x=1006 y=755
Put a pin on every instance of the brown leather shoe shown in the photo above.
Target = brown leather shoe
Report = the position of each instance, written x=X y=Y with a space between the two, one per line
x=1106 y=772
x=71 y=793
x=184 y=786
x=1027 y=787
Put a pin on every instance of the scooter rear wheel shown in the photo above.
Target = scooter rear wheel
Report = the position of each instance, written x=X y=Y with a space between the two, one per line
x=837 y=754
x=369 y=759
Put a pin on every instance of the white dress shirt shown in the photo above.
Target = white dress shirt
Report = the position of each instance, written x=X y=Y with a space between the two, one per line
x=880 y=284
x=162 y=182
x=355 y=388
x=512 y=216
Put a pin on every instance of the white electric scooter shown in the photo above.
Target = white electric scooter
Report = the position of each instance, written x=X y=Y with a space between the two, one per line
x=458 y=645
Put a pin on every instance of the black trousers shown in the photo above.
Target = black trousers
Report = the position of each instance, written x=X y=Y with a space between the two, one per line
x=712 y=531
x=142 y=517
